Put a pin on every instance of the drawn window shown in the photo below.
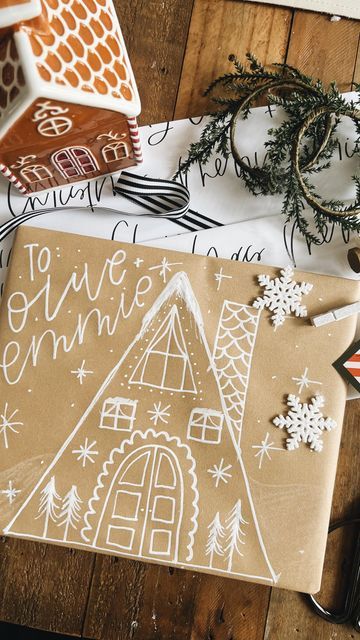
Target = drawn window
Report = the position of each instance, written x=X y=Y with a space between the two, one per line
x=164 y=510
x=122 y=537
x=118 y=414
x=134 y=474
x=115 y=151
x=56 y=126
x=74 y=161
x=126 y=505
x=165 y=475
x=166 y=363
x=205 y=425
x=35 y=173
x=160 y=542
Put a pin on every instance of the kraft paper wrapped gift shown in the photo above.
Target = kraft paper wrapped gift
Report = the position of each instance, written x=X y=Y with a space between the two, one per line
x=148 y=409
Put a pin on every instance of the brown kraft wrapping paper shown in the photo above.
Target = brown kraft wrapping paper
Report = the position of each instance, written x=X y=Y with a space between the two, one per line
x=138 y=389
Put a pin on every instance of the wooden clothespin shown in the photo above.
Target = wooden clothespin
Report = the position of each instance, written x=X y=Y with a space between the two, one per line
x=335 y=314
x=342 y=312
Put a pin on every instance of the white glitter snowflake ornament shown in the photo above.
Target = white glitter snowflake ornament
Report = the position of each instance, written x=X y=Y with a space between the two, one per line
x=283 y=296
x=304 y=423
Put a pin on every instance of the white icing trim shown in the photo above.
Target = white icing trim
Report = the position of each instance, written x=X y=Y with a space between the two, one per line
x=19 y=13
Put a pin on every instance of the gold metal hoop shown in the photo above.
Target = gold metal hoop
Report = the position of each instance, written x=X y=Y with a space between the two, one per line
x=354 y=114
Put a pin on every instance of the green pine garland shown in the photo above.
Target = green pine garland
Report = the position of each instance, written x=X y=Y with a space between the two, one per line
x=301 y=146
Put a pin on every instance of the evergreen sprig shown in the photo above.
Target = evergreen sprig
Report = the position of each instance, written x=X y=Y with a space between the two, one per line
x=293 y=153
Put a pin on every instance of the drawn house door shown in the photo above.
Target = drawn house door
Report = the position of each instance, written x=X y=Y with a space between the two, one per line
x=74 y=161
x=144 y=505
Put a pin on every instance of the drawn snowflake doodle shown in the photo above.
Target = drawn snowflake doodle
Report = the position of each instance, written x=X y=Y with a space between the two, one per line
x=159 y=413
x=8 y=424
x=10 y=492
x=220 y=472
x=304 y=423
x=86 y=452
x=282 y=295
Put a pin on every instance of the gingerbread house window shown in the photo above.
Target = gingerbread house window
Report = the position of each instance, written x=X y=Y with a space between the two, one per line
x=35 y=173
x=74 y=161
x=56 y=126
x=115 y=151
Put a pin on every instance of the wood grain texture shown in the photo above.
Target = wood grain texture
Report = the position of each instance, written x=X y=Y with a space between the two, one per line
x=356 y=77
x=57 y=589
x=43 y=586
x=324 y=49
x=116 y=597
x=221 y=27
x=155 y=33
x=289 y=616
x=229 y=610
x=130 y=599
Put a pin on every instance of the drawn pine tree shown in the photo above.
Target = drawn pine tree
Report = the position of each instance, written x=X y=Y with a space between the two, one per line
x=48 y=506
x=70 y=511
x=216 y=533
x=235 y=537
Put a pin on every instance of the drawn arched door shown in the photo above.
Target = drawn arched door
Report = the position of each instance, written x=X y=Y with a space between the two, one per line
x=144 y=505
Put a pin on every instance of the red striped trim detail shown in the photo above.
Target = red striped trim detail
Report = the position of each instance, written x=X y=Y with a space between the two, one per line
x=13 y=179
x=355 y=373
x=135 y=139
x=354 y=358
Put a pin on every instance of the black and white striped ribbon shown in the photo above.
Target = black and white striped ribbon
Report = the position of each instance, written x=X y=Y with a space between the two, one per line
x=163 y=198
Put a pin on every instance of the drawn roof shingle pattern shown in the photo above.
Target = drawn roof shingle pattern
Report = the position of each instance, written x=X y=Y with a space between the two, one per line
x=82 y=49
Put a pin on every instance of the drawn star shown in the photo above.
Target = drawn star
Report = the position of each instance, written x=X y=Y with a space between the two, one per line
x=164 y=268
x=264 y=449
x=138 y=262
x=304 y=381
x=219 y=472
x=10 y=492
x=81 y=372
x=86 y=452
x=159 y=413
x=8 y=424
x=219 y=277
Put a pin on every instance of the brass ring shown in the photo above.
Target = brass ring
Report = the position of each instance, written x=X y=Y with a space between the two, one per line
x=257 y=173
x=354 y=114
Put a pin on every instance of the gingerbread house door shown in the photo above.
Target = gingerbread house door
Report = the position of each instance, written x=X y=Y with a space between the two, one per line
x=144 y=505
x=74 y=161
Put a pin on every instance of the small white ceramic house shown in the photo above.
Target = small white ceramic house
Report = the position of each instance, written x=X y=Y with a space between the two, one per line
x=68 y=98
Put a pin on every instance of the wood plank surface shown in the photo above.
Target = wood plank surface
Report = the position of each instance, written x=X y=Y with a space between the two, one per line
x=107 y=598
x=132 y=600
x=324 y=49
x=356 y=78
x=155 y=33
x=43 y=586
x=221 y=27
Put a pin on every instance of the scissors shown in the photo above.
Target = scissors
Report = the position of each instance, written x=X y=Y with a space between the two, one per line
x=351 y=610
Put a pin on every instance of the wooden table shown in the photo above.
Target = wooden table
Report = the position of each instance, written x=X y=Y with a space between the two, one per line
x=177 y=47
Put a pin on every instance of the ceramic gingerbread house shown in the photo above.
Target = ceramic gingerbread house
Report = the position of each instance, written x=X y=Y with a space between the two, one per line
x=68 y=98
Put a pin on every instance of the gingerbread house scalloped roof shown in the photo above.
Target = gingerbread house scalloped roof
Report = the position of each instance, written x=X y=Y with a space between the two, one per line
x=69 y=50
